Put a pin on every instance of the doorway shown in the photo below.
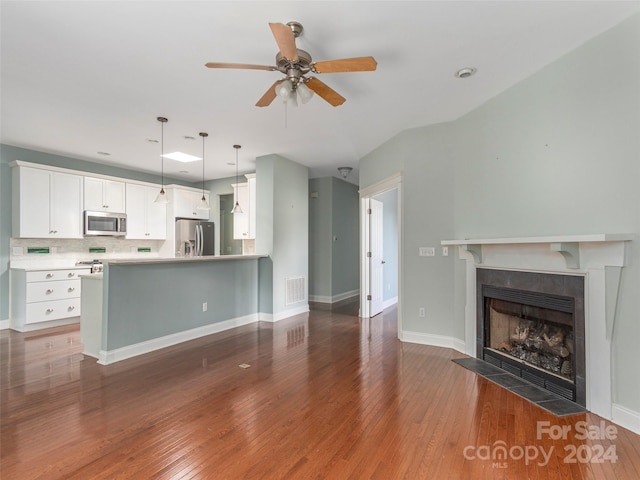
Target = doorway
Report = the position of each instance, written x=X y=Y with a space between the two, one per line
x=369 y=233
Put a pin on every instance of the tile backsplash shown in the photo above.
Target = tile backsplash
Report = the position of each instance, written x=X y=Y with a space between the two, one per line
x=66 y=252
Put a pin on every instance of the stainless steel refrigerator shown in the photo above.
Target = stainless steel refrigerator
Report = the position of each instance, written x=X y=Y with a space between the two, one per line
x=194 y=238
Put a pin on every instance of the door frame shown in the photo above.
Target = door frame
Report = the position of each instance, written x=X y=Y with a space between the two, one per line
x=389 y=183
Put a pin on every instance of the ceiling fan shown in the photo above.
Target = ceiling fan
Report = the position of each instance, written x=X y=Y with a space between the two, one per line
x=296 y=64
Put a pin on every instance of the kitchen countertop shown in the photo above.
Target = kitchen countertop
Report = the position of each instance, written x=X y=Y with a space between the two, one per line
x=92 y=276
x=207 y=258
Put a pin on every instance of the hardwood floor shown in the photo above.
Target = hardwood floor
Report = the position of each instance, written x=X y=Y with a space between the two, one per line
x=327 y=395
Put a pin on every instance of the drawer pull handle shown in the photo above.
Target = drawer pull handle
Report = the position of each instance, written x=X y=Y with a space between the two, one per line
x=49 y=291
x=49 y=275
x=71 y=274
x=49 y=310
x=71 y=289
x=71 y=307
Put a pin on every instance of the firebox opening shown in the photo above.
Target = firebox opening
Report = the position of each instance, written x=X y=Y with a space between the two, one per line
x=539 y=337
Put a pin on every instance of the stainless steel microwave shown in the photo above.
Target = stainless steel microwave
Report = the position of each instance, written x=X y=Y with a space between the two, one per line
x=105 y=223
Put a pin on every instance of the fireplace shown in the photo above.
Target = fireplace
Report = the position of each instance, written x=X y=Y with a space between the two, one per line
x=533 y=325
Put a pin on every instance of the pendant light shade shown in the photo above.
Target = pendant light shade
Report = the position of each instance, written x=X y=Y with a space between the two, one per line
x=162 y=195
x=236 y=208
x=203 y=204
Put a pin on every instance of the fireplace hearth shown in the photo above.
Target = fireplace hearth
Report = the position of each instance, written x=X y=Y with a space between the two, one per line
x=532 y=325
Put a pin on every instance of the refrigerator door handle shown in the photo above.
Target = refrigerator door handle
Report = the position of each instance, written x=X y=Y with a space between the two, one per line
x=197 y=253
x=199 y=237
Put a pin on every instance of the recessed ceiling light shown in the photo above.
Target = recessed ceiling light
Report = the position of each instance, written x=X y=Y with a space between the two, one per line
x=106 y=154
x=184 y=171
x=189 y=137
x=181 y=157
x=231 y=163
x=465 y=72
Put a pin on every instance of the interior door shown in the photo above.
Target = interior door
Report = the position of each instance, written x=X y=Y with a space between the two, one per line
x=377 y=261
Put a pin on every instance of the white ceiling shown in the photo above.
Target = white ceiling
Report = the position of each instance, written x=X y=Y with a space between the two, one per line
x=83 y=77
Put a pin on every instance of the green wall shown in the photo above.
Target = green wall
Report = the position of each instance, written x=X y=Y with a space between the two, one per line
x=282 y=227
x=345 y=239
x=320 y=265
x=333 y=239
x=146 y=302
x=558 y=153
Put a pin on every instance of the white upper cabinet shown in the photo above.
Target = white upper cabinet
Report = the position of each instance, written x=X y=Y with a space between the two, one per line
x=46 y=204
x=185 y=203
x=102 y=195
x=146 y=219
x=244 y=224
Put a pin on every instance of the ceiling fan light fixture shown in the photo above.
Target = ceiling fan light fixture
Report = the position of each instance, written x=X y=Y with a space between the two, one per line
x=293 y=99
x=283 y=89
x=304 y=92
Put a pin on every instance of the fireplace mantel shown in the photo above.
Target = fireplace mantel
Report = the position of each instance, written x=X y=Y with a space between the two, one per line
x=599 y=258
x=566 y=245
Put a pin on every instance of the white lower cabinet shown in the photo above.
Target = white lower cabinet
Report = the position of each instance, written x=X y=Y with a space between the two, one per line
x=44 y=295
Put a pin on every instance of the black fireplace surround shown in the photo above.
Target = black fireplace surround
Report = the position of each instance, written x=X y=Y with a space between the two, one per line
x=540 y=332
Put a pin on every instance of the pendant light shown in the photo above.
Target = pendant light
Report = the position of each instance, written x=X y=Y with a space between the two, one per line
x=236 y=208
x=162 y=196
x=203 y=205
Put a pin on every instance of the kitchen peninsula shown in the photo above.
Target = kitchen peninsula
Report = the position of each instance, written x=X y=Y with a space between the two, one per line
x=143 y=305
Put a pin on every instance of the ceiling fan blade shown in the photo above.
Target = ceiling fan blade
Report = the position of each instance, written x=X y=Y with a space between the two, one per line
x=285 y=40
x=243 y=66
x=359 y=64
x=269 y=95
x=324 y=91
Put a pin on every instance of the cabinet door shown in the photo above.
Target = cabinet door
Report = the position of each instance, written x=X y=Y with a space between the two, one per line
x=114 y=196
x=93 y=194
x=104 y=195
x=146 y=219
x=156 y=217
x=31 y=219
x=185 y=204
x=66 y=205
x=136 y=211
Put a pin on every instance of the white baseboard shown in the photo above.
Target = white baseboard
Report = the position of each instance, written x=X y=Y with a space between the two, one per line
x=32 y=327
x=108 y=357
x=433 y=340
x=4 y=324
x=335 y=298
x=390 y=302
x=284 y=314
x=626 y=418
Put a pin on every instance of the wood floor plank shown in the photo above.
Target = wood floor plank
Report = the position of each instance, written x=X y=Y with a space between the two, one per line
x=327 y=395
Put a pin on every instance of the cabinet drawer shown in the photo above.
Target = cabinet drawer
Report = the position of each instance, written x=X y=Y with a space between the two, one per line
x=54 y=310
x=46 y=291
x=54 y=275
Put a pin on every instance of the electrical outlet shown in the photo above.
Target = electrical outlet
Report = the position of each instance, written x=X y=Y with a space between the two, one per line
x=204 y=307
x=421 y=312
x=445 y=251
